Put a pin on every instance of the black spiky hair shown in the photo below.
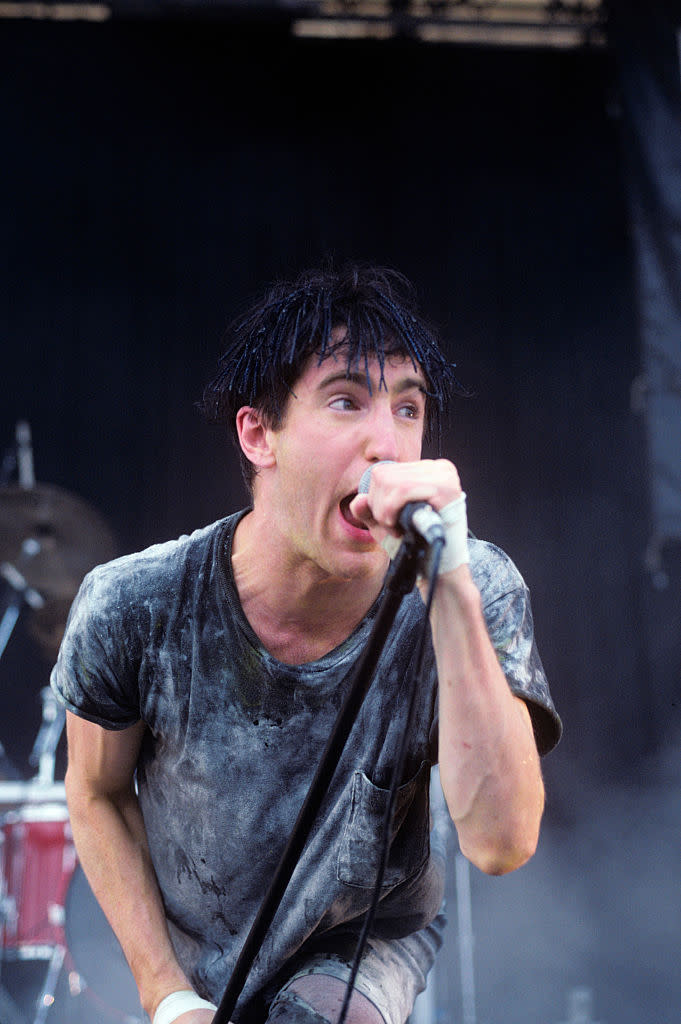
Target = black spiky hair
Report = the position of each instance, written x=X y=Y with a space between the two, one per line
x=270 y=345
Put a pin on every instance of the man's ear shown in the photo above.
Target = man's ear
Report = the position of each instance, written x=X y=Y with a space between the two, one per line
x=254 y=437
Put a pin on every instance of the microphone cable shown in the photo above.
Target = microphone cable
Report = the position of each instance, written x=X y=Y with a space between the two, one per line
x=432 y=565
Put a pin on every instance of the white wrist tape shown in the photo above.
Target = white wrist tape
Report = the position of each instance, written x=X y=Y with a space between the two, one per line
x=177 y=1003
x=455 y=551
x=455 y=522
x=391 y=545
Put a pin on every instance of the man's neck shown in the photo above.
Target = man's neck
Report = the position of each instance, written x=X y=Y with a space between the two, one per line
x=298 y=612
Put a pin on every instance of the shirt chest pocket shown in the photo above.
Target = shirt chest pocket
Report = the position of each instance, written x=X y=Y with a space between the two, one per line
x=360 y=849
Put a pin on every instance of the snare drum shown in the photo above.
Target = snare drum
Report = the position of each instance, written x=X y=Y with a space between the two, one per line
x=39 y=861
x=47 y=907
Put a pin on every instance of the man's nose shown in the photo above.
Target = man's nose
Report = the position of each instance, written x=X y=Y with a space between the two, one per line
x=381 y=441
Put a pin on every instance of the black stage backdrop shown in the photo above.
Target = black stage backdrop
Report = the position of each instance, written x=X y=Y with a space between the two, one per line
x=649 y=61
x=156 y=175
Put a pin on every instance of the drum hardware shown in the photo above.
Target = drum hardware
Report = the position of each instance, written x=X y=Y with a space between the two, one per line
x=97 y=956
x=39 y=861
x=8 y=770
x=24 y=457
x=46 y=999
x=20 y=794
x=23 y=460
x=580 y=1006
x=18 y=591
x=49 y=539
x=52 y=916
x=44 y=750
x=41 y=788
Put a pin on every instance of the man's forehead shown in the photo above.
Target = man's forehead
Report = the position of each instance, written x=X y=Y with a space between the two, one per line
x=367 y=369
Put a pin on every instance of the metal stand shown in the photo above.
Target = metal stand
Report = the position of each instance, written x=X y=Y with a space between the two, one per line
x=46 y=998
x=580 y=1006
x=465 y=922
x=18 y=590
x=43 y=757
x=50 y=540
x=400 y=582
x=44 y=750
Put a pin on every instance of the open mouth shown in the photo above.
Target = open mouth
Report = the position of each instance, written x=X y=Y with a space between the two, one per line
x=347 y=514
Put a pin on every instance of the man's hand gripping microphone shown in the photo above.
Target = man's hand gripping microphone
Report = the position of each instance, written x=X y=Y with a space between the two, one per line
x=448 y=527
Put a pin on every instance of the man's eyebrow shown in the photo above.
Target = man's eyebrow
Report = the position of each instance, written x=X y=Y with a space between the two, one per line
x=363 y=381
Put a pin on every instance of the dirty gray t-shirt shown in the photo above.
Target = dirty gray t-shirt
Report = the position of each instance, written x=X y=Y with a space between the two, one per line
x=234 y=737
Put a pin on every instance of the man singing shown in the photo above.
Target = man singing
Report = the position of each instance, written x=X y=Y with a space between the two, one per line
x=203 y=676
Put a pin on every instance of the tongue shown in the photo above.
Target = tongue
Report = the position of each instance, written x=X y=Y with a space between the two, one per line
x=347 y=514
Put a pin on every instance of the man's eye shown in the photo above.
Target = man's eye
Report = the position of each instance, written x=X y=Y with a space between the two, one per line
x=410 y=411
x=344 y=403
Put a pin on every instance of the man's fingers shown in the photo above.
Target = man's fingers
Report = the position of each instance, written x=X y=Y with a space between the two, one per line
x=395 y=484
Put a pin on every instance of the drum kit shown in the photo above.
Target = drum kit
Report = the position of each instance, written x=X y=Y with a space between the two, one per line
x=60 y=963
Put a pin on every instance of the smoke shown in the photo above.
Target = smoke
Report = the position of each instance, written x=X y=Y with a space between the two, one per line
x=589 y=930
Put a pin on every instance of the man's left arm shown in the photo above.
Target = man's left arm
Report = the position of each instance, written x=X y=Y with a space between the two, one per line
x=489 y=763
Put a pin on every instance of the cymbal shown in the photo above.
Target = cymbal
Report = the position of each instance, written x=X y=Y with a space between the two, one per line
x=71 y=539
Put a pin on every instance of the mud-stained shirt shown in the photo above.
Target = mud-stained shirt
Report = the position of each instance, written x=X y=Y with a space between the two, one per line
x=233 y=740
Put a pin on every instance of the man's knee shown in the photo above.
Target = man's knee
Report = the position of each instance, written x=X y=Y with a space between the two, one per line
x=317 y=999
x=290 y=1008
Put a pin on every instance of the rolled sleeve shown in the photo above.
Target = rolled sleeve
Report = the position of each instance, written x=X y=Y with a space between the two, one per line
x=94 y=675
x=508 y=615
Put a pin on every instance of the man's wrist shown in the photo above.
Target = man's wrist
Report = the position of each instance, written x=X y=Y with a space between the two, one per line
x=455 y=522
x=177 y=1003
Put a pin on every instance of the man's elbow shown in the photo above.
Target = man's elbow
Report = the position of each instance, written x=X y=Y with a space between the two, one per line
x=85 y=797
x=499 y=853
x=79 y=798
x=499 y=831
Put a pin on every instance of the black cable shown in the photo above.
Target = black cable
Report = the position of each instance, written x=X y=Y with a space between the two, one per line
x=433 y=563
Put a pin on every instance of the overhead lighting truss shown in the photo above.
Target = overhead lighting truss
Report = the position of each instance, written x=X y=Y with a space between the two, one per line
x=551 y=23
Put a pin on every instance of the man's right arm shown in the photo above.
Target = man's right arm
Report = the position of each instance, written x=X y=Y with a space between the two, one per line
x=112 y=846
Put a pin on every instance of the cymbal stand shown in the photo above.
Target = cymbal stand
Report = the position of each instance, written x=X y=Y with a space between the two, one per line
x=46 y=998
x=42 y=755
x=17 y=590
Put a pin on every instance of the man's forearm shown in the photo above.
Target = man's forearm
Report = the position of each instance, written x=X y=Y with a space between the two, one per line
x=112 y=847
x=489 y=765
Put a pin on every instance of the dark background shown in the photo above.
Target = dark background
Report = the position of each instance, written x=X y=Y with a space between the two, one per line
x=156 y=175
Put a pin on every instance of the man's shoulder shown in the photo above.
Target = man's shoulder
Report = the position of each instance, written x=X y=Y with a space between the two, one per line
x=158 y=567
x=494 y=572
